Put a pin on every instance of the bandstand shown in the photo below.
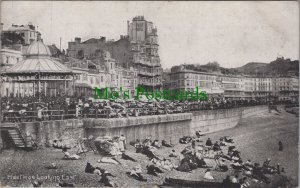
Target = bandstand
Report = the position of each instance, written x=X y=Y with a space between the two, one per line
x=39 y=74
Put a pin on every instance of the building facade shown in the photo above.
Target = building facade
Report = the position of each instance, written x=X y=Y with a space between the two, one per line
x=9 y=57
x=286 y=88
x=139 y=49
x=184 y=79
x=233 y=86
x=102 y=73
x=144 y=48
x=27 y=32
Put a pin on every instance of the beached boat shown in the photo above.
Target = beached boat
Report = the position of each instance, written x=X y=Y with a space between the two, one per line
x=191 y=183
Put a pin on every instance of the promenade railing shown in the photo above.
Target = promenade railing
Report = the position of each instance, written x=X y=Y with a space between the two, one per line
x=94 y=112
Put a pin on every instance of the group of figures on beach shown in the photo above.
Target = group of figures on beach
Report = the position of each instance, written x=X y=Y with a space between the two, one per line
x=196 y=154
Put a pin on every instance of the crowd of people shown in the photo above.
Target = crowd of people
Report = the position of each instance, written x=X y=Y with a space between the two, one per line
x=55 y=108
x=194 y=158
x=197 y=153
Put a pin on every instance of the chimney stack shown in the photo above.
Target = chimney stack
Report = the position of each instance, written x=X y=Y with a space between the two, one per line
x=1 y=27
x=128 y=27
x=77 y=40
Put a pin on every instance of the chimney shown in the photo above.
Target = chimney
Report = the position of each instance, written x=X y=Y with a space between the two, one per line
x=77 y=40
x=128 y=27
x=1 y=27
x=103 y=39
x=39 y=37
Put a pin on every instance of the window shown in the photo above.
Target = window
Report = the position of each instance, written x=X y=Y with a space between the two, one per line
x=84 y=77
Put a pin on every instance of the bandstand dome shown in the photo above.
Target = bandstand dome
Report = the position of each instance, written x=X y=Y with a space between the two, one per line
x=38 y=49
x=38 y=60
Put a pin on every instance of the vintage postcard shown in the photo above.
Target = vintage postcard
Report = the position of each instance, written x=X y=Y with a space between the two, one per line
x=149 y=94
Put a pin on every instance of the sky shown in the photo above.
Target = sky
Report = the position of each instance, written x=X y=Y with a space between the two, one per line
x=231 y=33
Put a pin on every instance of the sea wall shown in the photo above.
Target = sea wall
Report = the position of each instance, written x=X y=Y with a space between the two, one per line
x=160 y=127
x=172 y=126
x=215 y=120
x=168 y=127
x=46 y=131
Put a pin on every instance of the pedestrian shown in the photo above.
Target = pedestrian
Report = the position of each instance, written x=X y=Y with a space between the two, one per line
x=122 y=143
x=280 y=146
x=278 y=168
x=193 y=144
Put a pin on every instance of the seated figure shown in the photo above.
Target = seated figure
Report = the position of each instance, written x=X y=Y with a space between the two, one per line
x=136 y=173
x=96 y=170
x=237 y=166
x=156 y=144
x=153 y=170
x=216 y=146
x=173 y=154
x=67 y=155
x=127 y=157
x=208 y=175
x=164 y=143
x=208 y=142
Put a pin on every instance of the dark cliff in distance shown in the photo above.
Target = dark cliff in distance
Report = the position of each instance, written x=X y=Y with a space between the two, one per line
x=278 y=67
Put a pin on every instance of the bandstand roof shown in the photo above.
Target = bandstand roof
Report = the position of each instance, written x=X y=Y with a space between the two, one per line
x=38 y=61
x=40 y=65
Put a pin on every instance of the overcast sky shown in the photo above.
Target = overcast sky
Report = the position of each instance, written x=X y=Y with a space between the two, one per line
x=231 y=33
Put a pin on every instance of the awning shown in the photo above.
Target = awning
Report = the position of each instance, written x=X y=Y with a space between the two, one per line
x=84 y=85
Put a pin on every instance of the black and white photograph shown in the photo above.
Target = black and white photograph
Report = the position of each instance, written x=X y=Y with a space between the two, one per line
x=152 y=94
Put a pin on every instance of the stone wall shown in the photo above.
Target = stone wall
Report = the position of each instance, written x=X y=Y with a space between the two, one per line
x=160 y=127
x=215 y=120
x=168 y=127
x=47 y=131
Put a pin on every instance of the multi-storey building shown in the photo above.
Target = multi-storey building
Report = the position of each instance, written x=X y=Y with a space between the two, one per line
x=87 y=76
x=263 y=87
x=233 y=86
x=144 y=47
x=130 y=80
x=248 y=87
x=286 y=88
x=102 y=73
x=10 y=56
x=184 y=79
x=27 y=32
x=139 y=50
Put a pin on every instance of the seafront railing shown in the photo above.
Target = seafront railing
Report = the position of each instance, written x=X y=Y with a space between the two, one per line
x=49 y=115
